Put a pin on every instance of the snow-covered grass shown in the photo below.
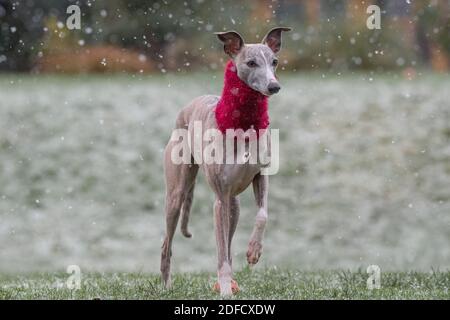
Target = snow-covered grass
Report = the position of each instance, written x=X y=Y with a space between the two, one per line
x=364 y=176
x=266 y=284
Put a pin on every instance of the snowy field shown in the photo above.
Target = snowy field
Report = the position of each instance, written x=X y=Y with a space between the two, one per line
x=364 y=175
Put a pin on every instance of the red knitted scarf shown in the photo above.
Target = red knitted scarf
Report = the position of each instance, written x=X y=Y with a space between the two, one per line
x=240 y=107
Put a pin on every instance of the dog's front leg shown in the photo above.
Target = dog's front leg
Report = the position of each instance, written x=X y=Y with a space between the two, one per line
x=260 y=189
x=222 y=208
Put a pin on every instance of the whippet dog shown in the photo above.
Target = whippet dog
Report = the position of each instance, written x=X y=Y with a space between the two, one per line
x=249 y=81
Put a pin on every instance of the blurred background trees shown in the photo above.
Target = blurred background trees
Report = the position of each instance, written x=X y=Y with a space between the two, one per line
x=169 y=35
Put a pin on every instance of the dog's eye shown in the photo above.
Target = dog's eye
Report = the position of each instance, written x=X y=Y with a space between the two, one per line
x=275 y=62
x=252 y=64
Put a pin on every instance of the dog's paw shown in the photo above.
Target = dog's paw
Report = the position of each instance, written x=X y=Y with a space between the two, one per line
x=234 y=288
x=254 y=252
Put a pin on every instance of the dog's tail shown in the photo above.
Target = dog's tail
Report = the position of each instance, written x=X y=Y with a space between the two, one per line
x=185 y=211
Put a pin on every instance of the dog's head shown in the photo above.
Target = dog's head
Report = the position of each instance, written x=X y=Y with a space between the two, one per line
x=256 y=63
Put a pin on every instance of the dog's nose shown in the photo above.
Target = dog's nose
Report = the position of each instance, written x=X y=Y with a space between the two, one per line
x=273 y=87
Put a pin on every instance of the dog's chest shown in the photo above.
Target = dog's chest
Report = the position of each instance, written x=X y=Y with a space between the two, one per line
x=239 y=172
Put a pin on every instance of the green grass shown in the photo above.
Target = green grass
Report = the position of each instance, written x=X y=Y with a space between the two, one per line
x=266 y=284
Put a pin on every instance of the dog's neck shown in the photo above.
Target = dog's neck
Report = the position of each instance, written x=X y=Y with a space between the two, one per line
x=240 y=107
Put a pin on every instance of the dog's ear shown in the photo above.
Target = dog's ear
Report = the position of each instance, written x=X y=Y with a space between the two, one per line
x=232 y=42
x=273 y=38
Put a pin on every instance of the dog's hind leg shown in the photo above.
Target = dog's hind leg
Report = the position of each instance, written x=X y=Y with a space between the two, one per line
x=260 y=189
x=179 y=180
